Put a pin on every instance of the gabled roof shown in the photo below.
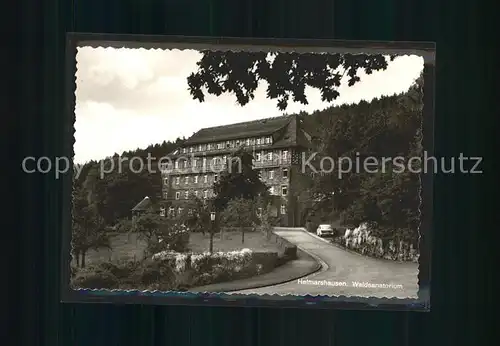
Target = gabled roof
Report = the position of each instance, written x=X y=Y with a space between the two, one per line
x=143 y=205
x=254 y=128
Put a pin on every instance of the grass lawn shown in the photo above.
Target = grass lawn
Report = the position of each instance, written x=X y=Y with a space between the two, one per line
x=232 y=241
x=123 y=246
x=128 y=246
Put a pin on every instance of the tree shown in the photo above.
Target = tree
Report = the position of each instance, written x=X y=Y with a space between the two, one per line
x=240 y=213
x=286 y=73
x=239 y=180
x=88 y=228
x=387 y=199
x=160 y=233
x=195 y=215
x=116 y=191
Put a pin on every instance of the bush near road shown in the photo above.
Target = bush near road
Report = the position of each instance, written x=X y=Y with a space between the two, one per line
x=175 y=271
x=180 y=271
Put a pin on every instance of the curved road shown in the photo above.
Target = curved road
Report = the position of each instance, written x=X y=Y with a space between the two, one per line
x=342 y=270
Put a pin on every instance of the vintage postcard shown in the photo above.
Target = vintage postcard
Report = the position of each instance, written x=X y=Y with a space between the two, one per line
x=237 y=169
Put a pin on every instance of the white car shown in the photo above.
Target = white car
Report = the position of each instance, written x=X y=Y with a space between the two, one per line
x=324 y=229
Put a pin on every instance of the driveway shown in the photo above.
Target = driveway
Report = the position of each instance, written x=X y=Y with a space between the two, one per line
x=343 y=270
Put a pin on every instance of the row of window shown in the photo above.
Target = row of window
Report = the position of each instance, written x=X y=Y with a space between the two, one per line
x=275 y=191
x=172 y=211
x=187 y=179
x=186 y=194
x=196 y=179
x=228 y=144
x=263 y=156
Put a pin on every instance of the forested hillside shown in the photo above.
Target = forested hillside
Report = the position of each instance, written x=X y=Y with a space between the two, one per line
x=387 y=199
x=115 y=193
x=387 y=196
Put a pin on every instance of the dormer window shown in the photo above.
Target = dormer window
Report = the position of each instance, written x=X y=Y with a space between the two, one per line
x=228 y=144
x=184 y=150
x=257 y=156
x=258 y=141
x=248 y=142
x=268 y=140
x=191 y=149
x=200 y=147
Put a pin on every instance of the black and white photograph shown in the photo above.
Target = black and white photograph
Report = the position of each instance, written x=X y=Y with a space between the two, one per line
x=278 y=171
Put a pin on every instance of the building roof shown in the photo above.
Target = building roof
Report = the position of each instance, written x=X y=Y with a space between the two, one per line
x=254 y=128
x=143 y=205
x=287 y=131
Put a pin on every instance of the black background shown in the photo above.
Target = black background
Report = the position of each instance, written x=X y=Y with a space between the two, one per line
x=462 y=268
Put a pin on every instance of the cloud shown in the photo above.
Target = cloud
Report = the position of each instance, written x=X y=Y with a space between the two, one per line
x=127 y=78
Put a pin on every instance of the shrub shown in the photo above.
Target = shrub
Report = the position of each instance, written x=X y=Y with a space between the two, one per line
x=360 y=239
x=206 y=268
x=120 y=270
x=290 y=252
x=123 y=226
x=155 y=271
x=95 y=280
x=176 y=238
x=72 y=271
x=311 y=226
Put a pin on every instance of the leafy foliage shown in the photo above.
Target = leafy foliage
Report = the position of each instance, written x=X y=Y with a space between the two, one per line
x=88 y=229
x=287 y=74
x=241 y=213
x=386 y=195
x=161 y=233
x=195 y=215
x=171 y=271
x=117 y=192
x=240 y=180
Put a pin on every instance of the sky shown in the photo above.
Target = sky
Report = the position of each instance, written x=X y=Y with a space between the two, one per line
x=131 y=98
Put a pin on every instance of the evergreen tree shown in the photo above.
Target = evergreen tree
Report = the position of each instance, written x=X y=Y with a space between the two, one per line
x=88 y=229
x=239 y=180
